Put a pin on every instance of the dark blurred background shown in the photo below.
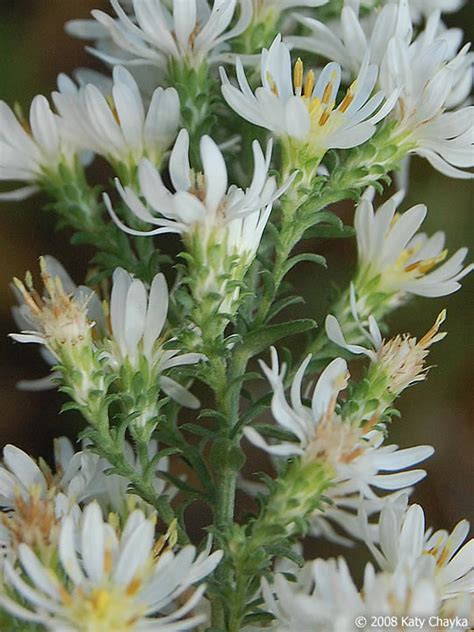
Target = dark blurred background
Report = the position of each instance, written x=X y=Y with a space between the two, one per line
x=33 y=50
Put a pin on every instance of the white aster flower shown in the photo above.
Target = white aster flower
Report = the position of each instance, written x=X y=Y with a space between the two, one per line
x=433 y=80
x=32 y=151
x=355 y=453
x=429 y=74
x=301 y=110
x=351 y=39
x=204 y=201
x=138 y=319
x=405 y=545
x=113 y=582
x=34 y=499
x=324 y=598
x=118 y=128
x=192 y=33
x=111 y=491
x=270 y=10
x=404 y=261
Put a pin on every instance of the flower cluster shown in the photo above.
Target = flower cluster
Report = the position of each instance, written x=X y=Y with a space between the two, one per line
x=216 y=189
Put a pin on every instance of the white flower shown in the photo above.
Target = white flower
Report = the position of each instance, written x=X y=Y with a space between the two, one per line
x=35 y=499
x=355 y=452
x=325 y=599
x=265 y=10
x=192 y=33
x=31 y=151
x=111 y=491
x=349 y=40
x=390 y=249
x=433 y=80
x=113 y=582
x=118 y=129
x=430 y=77
x=406 y=546
x=204 y=202
x=302 y=110
x=137 y=321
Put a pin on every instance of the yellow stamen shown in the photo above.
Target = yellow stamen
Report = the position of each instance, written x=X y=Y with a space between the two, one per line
x=111 y=102
x=100 y=600
x=327 y=92
x=134 y=586
x=107 y=561
x=298 y=76
x=309 y=84
x=346 y=101
x=427 y=264
x=324 y=117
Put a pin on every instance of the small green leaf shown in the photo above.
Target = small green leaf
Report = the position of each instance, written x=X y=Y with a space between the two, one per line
x=260 y=339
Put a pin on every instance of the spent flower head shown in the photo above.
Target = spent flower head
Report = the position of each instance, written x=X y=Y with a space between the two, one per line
x=58 y=319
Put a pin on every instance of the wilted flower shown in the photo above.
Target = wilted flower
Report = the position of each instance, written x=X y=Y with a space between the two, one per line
x=60 y=318
x=34 y=499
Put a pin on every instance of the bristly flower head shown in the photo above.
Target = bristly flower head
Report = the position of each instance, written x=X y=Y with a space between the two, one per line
x=32 y=151
x=302 y=110
x=396 y=260
x=353 y=452
x=138 y=320
x=192 y=33
x=118 y=127
x=115 y=581
x=59 y=319
x=402 y=359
